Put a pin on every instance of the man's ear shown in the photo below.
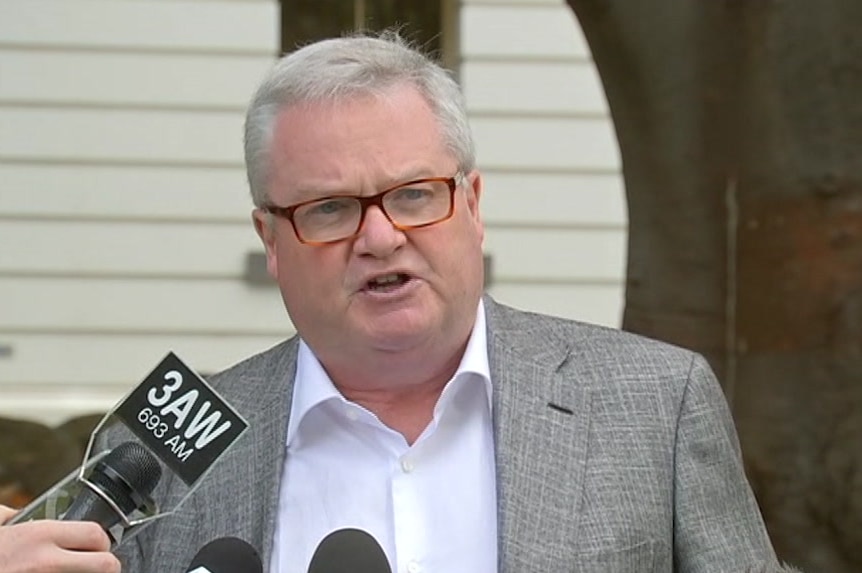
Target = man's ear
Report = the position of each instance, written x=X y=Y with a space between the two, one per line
x=474 y=194
x=264 y=225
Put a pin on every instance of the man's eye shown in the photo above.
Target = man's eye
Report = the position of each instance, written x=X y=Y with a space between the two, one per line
x=412 y=194
x=328 y=207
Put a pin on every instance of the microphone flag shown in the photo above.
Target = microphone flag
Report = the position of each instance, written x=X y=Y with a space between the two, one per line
x=174 y=419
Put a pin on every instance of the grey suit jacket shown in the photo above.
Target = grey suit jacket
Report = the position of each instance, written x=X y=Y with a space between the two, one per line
x=615 y=453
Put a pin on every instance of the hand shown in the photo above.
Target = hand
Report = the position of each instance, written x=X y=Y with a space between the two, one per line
x=49 y=546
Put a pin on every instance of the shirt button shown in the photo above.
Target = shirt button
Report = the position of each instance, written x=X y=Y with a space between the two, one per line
x=413 y=567
x=407 y=466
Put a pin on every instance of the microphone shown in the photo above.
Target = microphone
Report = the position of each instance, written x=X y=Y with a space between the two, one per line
x=226 y=555
x=125 y=478
x=349 y=551
x=179 y=425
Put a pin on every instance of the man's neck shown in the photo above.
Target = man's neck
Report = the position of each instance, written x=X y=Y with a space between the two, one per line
x=407 y=410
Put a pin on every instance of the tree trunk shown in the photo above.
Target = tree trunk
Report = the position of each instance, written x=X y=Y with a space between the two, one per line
x=740 y=129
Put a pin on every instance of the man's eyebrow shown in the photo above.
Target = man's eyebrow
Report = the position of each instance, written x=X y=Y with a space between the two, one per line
x=412 y=175
x=311 y=192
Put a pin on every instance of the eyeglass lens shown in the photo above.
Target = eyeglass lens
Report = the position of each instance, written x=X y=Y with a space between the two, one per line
x=416 y=204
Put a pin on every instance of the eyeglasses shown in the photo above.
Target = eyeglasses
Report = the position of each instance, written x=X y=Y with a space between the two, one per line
x=410 y=205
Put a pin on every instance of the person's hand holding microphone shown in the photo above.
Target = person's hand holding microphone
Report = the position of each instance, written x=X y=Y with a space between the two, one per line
x=49 y=546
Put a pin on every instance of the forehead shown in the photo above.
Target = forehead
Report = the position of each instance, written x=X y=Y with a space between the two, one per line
x=361 y=140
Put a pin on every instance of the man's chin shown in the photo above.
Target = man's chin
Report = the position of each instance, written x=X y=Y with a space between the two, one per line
x=397 y=335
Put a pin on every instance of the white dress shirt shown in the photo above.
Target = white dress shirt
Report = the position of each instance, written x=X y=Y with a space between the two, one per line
x=432 y=506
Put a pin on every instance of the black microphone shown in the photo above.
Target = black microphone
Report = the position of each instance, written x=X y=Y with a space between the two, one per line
x=226 y=555
x=127 y=475
x=349 y=551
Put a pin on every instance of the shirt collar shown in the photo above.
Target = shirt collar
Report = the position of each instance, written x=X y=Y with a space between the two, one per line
x=312 y=385
x=475 y=359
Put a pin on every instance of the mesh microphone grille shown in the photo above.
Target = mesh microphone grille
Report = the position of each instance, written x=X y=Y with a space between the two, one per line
x=137 y=467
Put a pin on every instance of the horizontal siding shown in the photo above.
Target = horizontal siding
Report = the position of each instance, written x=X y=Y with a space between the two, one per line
x=166 y=193
x=126 y=250
x=166 y=309
x=110 y=135
x=166 y=306
x=597 y=304
x=197 y=81
x=546 y=143
x=552 y=166
x=250 y=26
x=565 y=255
x=534 y=88
x=51 y=376
x=577 y=200
x=215 y=138
x=115 y=361
x=121 y=151
x=88 y=191
x=119 y=360
x=51 y=406
x=124 y=199
x=521 y=32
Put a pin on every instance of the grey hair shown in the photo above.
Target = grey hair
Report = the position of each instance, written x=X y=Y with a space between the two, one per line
x=346 y=67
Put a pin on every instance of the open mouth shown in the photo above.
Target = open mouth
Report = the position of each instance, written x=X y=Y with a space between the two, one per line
x=386 y=283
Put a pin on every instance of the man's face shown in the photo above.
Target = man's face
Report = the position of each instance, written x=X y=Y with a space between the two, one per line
x=412 y=291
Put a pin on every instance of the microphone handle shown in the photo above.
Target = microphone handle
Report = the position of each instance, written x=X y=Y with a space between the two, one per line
x=89 y=506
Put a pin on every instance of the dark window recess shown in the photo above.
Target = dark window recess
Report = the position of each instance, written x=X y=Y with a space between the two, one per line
x=304 y=21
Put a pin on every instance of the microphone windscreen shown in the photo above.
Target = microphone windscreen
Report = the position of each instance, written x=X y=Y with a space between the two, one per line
x=127 y=476
x=226 y=555
x=349 y=551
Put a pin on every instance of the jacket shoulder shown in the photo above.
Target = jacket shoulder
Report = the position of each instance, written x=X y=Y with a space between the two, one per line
x=582 y=341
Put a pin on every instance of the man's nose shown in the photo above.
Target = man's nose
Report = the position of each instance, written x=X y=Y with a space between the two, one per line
x=378 y=236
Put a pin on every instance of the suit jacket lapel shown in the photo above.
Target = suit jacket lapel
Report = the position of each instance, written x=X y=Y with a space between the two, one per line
x=274 y=429
x=541 y=425
x=258 y=462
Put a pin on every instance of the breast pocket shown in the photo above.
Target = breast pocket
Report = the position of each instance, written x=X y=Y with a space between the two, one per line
x=640 y=558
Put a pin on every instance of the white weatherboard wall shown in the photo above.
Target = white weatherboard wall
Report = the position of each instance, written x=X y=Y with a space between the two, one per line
x=124 y=215
x=124 y=212
x=554 y=204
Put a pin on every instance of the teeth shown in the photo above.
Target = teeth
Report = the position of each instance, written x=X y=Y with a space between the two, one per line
x=385 y=280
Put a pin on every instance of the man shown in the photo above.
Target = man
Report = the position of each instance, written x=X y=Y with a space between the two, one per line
x=462 y=434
